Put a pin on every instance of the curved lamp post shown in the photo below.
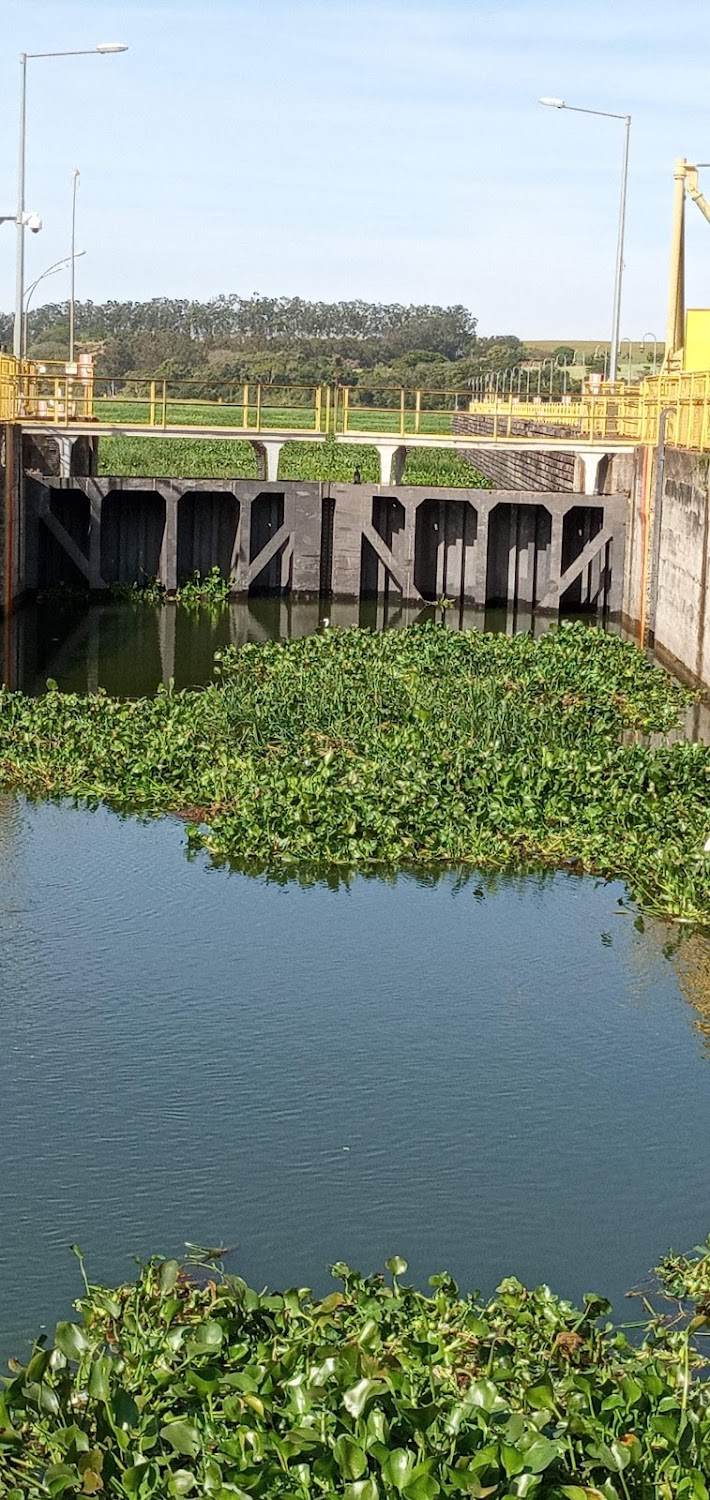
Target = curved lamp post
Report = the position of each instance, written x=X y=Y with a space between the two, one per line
x=619 y=271
x=644 y=340
x=50 y=271
x=103 y=49
x=630 y=343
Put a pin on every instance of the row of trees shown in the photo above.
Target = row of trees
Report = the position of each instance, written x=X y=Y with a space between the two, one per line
x=232 y=339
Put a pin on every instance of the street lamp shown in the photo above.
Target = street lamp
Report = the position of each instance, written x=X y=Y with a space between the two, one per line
x=20 y=220
x=50 y=271
x=616 y=315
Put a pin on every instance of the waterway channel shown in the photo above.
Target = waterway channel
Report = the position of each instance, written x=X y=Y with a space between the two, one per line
x=485 y=1076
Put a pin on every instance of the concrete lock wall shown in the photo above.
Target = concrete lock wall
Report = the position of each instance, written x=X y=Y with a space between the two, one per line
x=526 y=549
x=667 y=572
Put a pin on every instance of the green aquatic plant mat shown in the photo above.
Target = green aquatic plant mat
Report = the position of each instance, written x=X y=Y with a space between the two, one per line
x=412 y=747
x=189 y=1383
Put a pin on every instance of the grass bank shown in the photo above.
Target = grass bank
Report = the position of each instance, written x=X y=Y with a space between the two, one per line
x=418 y=746
x=191 y=1383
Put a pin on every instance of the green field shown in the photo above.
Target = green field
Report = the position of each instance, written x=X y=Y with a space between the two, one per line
x=587 y=346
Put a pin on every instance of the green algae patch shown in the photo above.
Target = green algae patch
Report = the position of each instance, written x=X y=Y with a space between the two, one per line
x=412 y=747
x=189 y=1382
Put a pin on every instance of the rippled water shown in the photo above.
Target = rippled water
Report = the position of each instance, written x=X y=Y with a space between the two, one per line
x=484 y=1078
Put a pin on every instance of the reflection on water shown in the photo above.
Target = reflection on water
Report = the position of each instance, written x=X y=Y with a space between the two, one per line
x=486 y=1077
x=129 y=649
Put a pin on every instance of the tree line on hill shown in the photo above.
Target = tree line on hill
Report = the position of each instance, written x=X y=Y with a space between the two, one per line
x=231 y=339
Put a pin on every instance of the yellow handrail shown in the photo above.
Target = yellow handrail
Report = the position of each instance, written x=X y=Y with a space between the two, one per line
x=53 y=393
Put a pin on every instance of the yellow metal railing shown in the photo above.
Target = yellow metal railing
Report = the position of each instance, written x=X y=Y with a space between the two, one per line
x=612 y=416
x=59 y=395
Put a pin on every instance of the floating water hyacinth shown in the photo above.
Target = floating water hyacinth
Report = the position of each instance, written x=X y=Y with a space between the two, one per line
x=191 y=1383
x=415 y=747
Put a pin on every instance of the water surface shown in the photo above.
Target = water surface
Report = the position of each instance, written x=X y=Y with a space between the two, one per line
x=486 y=1078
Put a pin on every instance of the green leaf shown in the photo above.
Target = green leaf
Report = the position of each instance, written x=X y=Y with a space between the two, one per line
x=71 y=1340
x=541 y=1396
x=206 y=1338
x=183 y=1437
x=169 y=1272
x=483 y=1393
x=398 y=1466
x=396 y=1265
x=132 y=1478
x=422 y=1486
x=350 y=1457
x=123 y=1410
x=61 y=1477
x=541 y=1454
x=512 y=1459
x=362 y=1489
x=355 y=1400
x=182 y=1482
x=99 y=1378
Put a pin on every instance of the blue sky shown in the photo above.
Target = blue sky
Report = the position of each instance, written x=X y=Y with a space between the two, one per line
x=387 y=149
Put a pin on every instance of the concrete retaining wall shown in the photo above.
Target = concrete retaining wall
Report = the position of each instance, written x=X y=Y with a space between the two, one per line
x=524 y=470
x=679 y=625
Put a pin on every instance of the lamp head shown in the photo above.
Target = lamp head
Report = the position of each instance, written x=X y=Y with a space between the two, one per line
x=112 y=47
x=553 y=103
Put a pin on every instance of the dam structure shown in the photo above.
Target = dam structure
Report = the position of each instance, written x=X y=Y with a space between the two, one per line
x=601 y=504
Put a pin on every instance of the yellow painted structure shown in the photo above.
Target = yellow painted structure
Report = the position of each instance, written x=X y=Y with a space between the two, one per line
x=39 y=397
x=696 y=350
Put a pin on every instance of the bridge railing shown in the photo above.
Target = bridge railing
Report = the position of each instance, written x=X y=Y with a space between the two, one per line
x=685 y=398
x=162 y=405
x=55 y=394
x=613 y=415
x=390 y=411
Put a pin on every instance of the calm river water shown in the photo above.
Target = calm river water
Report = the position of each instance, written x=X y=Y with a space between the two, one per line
x=485 y=1077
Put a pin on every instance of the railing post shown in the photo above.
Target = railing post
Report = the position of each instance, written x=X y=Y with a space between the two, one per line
x=328 y=399
x=317 y=410
x=346 y=408
x=418 y=411
x=151 y=417
x=401 y=413
x=704 y=424
x=165 y=404
x=245 y=405
x=510 y=414
x=258 y=407
x=336 y=389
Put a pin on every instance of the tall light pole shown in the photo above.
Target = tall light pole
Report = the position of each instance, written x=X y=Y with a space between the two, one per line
x=72 y=290
x=616 y=315
x=25 y=57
